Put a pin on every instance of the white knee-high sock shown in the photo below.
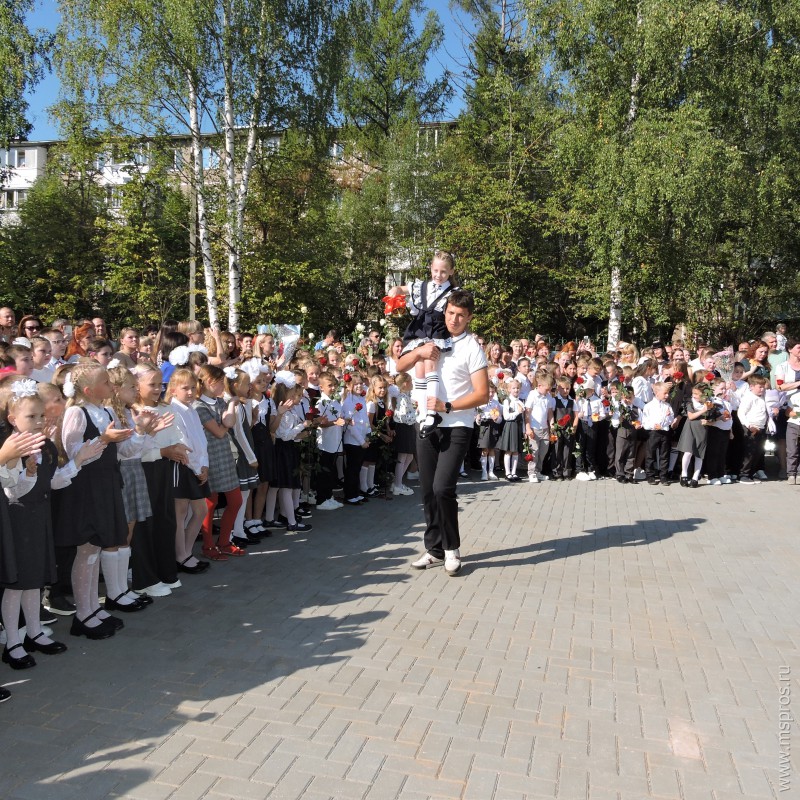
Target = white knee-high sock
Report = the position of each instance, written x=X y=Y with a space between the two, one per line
x=238 y=525
x=491 y=463
x=287 y=505
x=484 y=463
x=514 y=463
x=370 y=476
x=31 y=605
x=698 y=468
x=507 y=463
x=108 y=561
x=362 y=480
x=685 y=461
x=269 y=506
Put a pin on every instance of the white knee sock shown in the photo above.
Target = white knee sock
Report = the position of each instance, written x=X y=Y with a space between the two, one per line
x=685 y=461
x=370 y=476
x=108 y=561
x=238 y=525
x=362 y=480
x=698 y=468
x=431 y=389
x=507 y=463
x=491 y=463
x=514 y=463
x=484 y=463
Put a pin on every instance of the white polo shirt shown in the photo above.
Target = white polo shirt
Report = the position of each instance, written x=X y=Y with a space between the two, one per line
x=456 y=367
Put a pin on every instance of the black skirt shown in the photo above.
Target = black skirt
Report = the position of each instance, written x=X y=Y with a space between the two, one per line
x=264 y=448
x=287 y=465
x=185 y=484
x=405 y=438
x=489 y=434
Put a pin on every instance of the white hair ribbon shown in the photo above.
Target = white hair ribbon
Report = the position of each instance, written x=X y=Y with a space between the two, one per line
x=179 y=356
x=69 y=386
x=287 y=378
x=24 y=388
x=230 y=372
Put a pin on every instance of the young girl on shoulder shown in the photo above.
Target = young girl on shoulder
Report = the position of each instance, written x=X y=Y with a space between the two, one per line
x=237 y=385
x=405 y=434
x=292 y=428
x=218 y=418
x=489 y=419
x=153 y=551
x=511 y=437
x=380 y=420
x=89 y=514
x=31 y=552
x=190 y=480
x=427 y=301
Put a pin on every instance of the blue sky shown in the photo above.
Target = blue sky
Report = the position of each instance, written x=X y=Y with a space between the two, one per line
x=450 y=56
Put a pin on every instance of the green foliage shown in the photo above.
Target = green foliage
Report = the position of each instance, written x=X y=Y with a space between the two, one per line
x=23 y=57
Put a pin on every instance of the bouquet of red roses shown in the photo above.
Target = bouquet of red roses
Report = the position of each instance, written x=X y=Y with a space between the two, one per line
x=561 y=428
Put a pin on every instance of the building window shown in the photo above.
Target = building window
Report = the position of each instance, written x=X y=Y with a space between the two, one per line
x=21 y=159
x=114 y=196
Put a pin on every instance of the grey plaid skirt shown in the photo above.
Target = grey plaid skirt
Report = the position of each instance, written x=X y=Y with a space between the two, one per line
x=135 y=497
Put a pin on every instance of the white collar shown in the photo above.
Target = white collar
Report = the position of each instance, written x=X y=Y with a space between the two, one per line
x=211 y=401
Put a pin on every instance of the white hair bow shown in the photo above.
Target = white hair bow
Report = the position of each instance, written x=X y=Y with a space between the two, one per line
x=24 y=388
x=287 y=378
x=22 y=341
x=230 y=372
x=69 y=386
x=113 y=363
x=179 y=356
x=197 y=348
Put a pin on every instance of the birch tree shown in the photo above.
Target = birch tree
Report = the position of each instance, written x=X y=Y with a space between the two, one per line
x=221 y=72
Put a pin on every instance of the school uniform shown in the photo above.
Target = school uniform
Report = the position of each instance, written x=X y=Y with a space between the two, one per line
x=356 y=433
x=242 y=437
x=263 y=441
x=657 y=413
x=513 y=419
x=186 y=485
x=287 y=449
x=565 y=441
x=718 y=434
x=405 y=434
x=624 y=414
x=490 y=424
x=753 y=413
x=540 y=409
x=222 y=475
x=694 y=436
x=329 y=446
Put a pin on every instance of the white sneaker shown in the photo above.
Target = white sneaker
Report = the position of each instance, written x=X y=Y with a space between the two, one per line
x=412 y=476
x=639 y=474
x=452 y=562
x=715 y=482
x=533 y=479
x=582 y=476
x=492 y=476
x=592 y=476
x=543 y=477
x=312 y=498
x=726 y=479
x=761 y=475
x=176 y=585
x=403 y=490
x=484 y=476
x=156 y=590
x=427 y=561
x=329 y=505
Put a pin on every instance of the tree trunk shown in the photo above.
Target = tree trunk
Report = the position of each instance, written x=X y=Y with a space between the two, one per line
x=198 y=187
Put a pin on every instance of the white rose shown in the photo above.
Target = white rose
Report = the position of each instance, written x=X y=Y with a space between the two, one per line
x=311 y=337
x=360 y=327
x=304 y=309
x=382 y=322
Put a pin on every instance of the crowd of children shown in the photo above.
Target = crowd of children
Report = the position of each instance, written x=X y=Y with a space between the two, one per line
x=115 y=461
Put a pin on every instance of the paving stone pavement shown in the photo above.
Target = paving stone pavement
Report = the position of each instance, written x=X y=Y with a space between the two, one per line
x=603 y=641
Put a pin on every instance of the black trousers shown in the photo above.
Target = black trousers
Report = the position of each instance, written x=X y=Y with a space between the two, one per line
x=587 y=438
x=716 y=452
x=153 y=543
x=657 y=454
x=440 y=456
x=561 y=455
x=353 y=458
x=753 y=447
x=625 y=455
x=326 y=476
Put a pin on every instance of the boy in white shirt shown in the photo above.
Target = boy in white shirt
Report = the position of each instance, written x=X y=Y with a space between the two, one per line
x=657 y=420
x=329 y=441
x=539 y=410
x=753 y=415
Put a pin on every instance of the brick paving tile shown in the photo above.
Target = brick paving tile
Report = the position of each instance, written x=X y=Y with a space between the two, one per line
x=603 y=642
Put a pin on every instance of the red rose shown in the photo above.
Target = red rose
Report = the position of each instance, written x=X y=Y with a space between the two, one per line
x=565 y=420
x=678 y=376
x=323 y=361
x=710 y=376
x=359 y=406
x=528 y=457
x=606 y=402
x=268 y=394
x=312 y=413
x=500 y=376
x=389 y=413
x=579 y=380
x=347 y=377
